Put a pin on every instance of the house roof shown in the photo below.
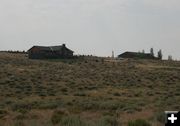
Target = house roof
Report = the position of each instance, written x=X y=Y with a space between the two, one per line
x=136 y=54
x=50 y=48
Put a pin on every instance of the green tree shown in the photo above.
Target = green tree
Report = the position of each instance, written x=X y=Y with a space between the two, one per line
x=160 y=54
x=152 y=51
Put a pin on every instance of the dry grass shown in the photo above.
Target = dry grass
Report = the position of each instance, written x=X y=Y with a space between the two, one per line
x=32 y=90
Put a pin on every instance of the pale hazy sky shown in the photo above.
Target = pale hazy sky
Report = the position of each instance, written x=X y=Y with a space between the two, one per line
x=92 y=26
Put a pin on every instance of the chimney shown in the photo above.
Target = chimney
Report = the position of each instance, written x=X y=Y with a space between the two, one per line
x=112 y=54
x=64 y=45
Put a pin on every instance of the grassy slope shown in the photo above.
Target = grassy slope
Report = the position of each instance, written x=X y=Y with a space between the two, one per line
x=33 y=91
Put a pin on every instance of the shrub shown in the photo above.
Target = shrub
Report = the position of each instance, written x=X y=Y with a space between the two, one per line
x=19 y=123
x=57 y=116
x=108 y=121
x=21 y=117
x=117 y=94
x=2 y=113
x=80 y=94
x=72 y=121
x=48 y=105
x=138 y=122
x=160 y=117
x=21 y=105
x=64 y=89
x=23 y=111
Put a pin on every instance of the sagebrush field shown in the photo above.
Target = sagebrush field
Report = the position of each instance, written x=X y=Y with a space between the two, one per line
x=86 y=91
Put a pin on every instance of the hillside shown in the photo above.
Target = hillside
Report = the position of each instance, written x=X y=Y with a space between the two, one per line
x=86 y=91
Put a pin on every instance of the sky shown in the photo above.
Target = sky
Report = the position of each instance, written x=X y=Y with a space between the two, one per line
x=92 y=26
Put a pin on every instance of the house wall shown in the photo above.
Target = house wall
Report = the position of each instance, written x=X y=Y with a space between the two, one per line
x=36 y=53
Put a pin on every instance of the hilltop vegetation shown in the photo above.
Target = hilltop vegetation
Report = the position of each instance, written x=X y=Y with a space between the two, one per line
x=86 y=91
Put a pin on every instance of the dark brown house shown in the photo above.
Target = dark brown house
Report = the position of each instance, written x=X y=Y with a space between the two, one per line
x=136 y=55
x=50 y=52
